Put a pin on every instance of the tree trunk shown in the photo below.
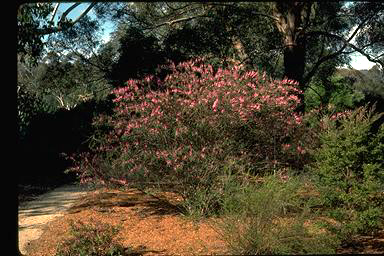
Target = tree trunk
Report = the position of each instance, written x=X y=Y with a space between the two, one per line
x=294 y=61
x=291 y=19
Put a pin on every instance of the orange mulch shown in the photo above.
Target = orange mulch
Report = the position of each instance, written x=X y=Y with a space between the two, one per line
x=152 y=225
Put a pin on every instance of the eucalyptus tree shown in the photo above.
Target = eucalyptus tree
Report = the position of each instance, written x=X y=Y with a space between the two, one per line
x=38 y=20
x=57 y=56
x=297 y=40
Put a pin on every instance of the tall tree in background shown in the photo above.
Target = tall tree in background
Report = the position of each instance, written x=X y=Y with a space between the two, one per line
x=335 y=28
x=302 y=39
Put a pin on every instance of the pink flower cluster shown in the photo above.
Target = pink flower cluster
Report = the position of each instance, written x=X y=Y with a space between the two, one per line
x=224 y=90
x=196 y=93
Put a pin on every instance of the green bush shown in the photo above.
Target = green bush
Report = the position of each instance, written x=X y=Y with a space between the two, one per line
x=29 y=105
x=269 y=218
x=349 y=171
x=337 y=92
x=91 y=240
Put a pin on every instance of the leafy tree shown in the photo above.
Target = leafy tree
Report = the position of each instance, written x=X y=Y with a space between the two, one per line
x=29 y=18
x=62 y=81
x=370 y=83
x=338 y=92
x=137 y=55
x=302 y=36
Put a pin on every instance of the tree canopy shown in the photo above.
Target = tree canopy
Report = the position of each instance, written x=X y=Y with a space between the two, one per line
x=298 y=40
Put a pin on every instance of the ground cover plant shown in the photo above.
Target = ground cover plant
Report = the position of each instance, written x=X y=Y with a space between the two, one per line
x=91 y=239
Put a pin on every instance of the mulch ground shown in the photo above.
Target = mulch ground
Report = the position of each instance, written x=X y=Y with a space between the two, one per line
x=154 y=225
x=151 y=225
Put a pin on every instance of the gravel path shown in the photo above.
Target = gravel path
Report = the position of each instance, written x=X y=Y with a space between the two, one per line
x=33 y=215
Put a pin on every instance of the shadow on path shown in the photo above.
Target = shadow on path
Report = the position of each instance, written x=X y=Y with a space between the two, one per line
x=34 y=215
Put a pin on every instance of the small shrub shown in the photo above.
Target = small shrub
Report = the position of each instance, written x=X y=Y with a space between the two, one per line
x=349 y=167
x=91 y=239
x=269 y=219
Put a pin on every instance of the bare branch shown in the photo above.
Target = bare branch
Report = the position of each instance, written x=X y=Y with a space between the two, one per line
x=251 y=11
x=346 y=44
x=84 y=13
x=183 y=19
x=68 y=11
x=170 y=23
x=50 y=30
x=54 y=12
x=367 y=55
x=318 y=94
x=264 y=15
x=212 y=5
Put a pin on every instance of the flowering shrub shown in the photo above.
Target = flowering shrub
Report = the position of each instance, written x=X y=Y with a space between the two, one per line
x=198 y=121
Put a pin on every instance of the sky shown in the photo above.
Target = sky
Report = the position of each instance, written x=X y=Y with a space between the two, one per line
x=107 y=27
x=358 y=61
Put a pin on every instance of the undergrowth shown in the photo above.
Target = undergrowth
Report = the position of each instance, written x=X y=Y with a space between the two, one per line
x=96 y=239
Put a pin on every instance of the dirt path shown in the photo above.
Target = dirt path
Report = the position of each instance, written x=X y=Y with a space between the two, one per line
x=34 y=215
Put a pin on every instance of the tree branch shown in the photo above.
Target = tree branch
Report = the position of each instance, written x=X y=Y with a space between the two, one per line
x=54 y=12
x=235 y=6
x=346 y=42
x=101 y=68
x=264 y=15
x=318 y=94
x=84 y=13
x=170 y=23
x=50 y=30
x=366 y=55
x=68 y=11
x=354 y=47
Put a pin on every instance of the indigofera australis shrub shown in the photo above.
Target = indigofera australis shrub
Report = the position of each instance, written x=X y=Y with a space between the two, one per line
x=196 y=122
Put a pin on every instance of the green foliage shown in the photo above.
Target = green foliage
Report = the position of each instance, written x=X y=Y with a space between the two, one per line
x=268 y=218
x=91 y=239
x=62 y=82
x=36 y=30
x=138 y=55
x=350 y=171
x=373 y=33
x=370 y=83
x=28 y=107
x=337 y=91
x=30 y=17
